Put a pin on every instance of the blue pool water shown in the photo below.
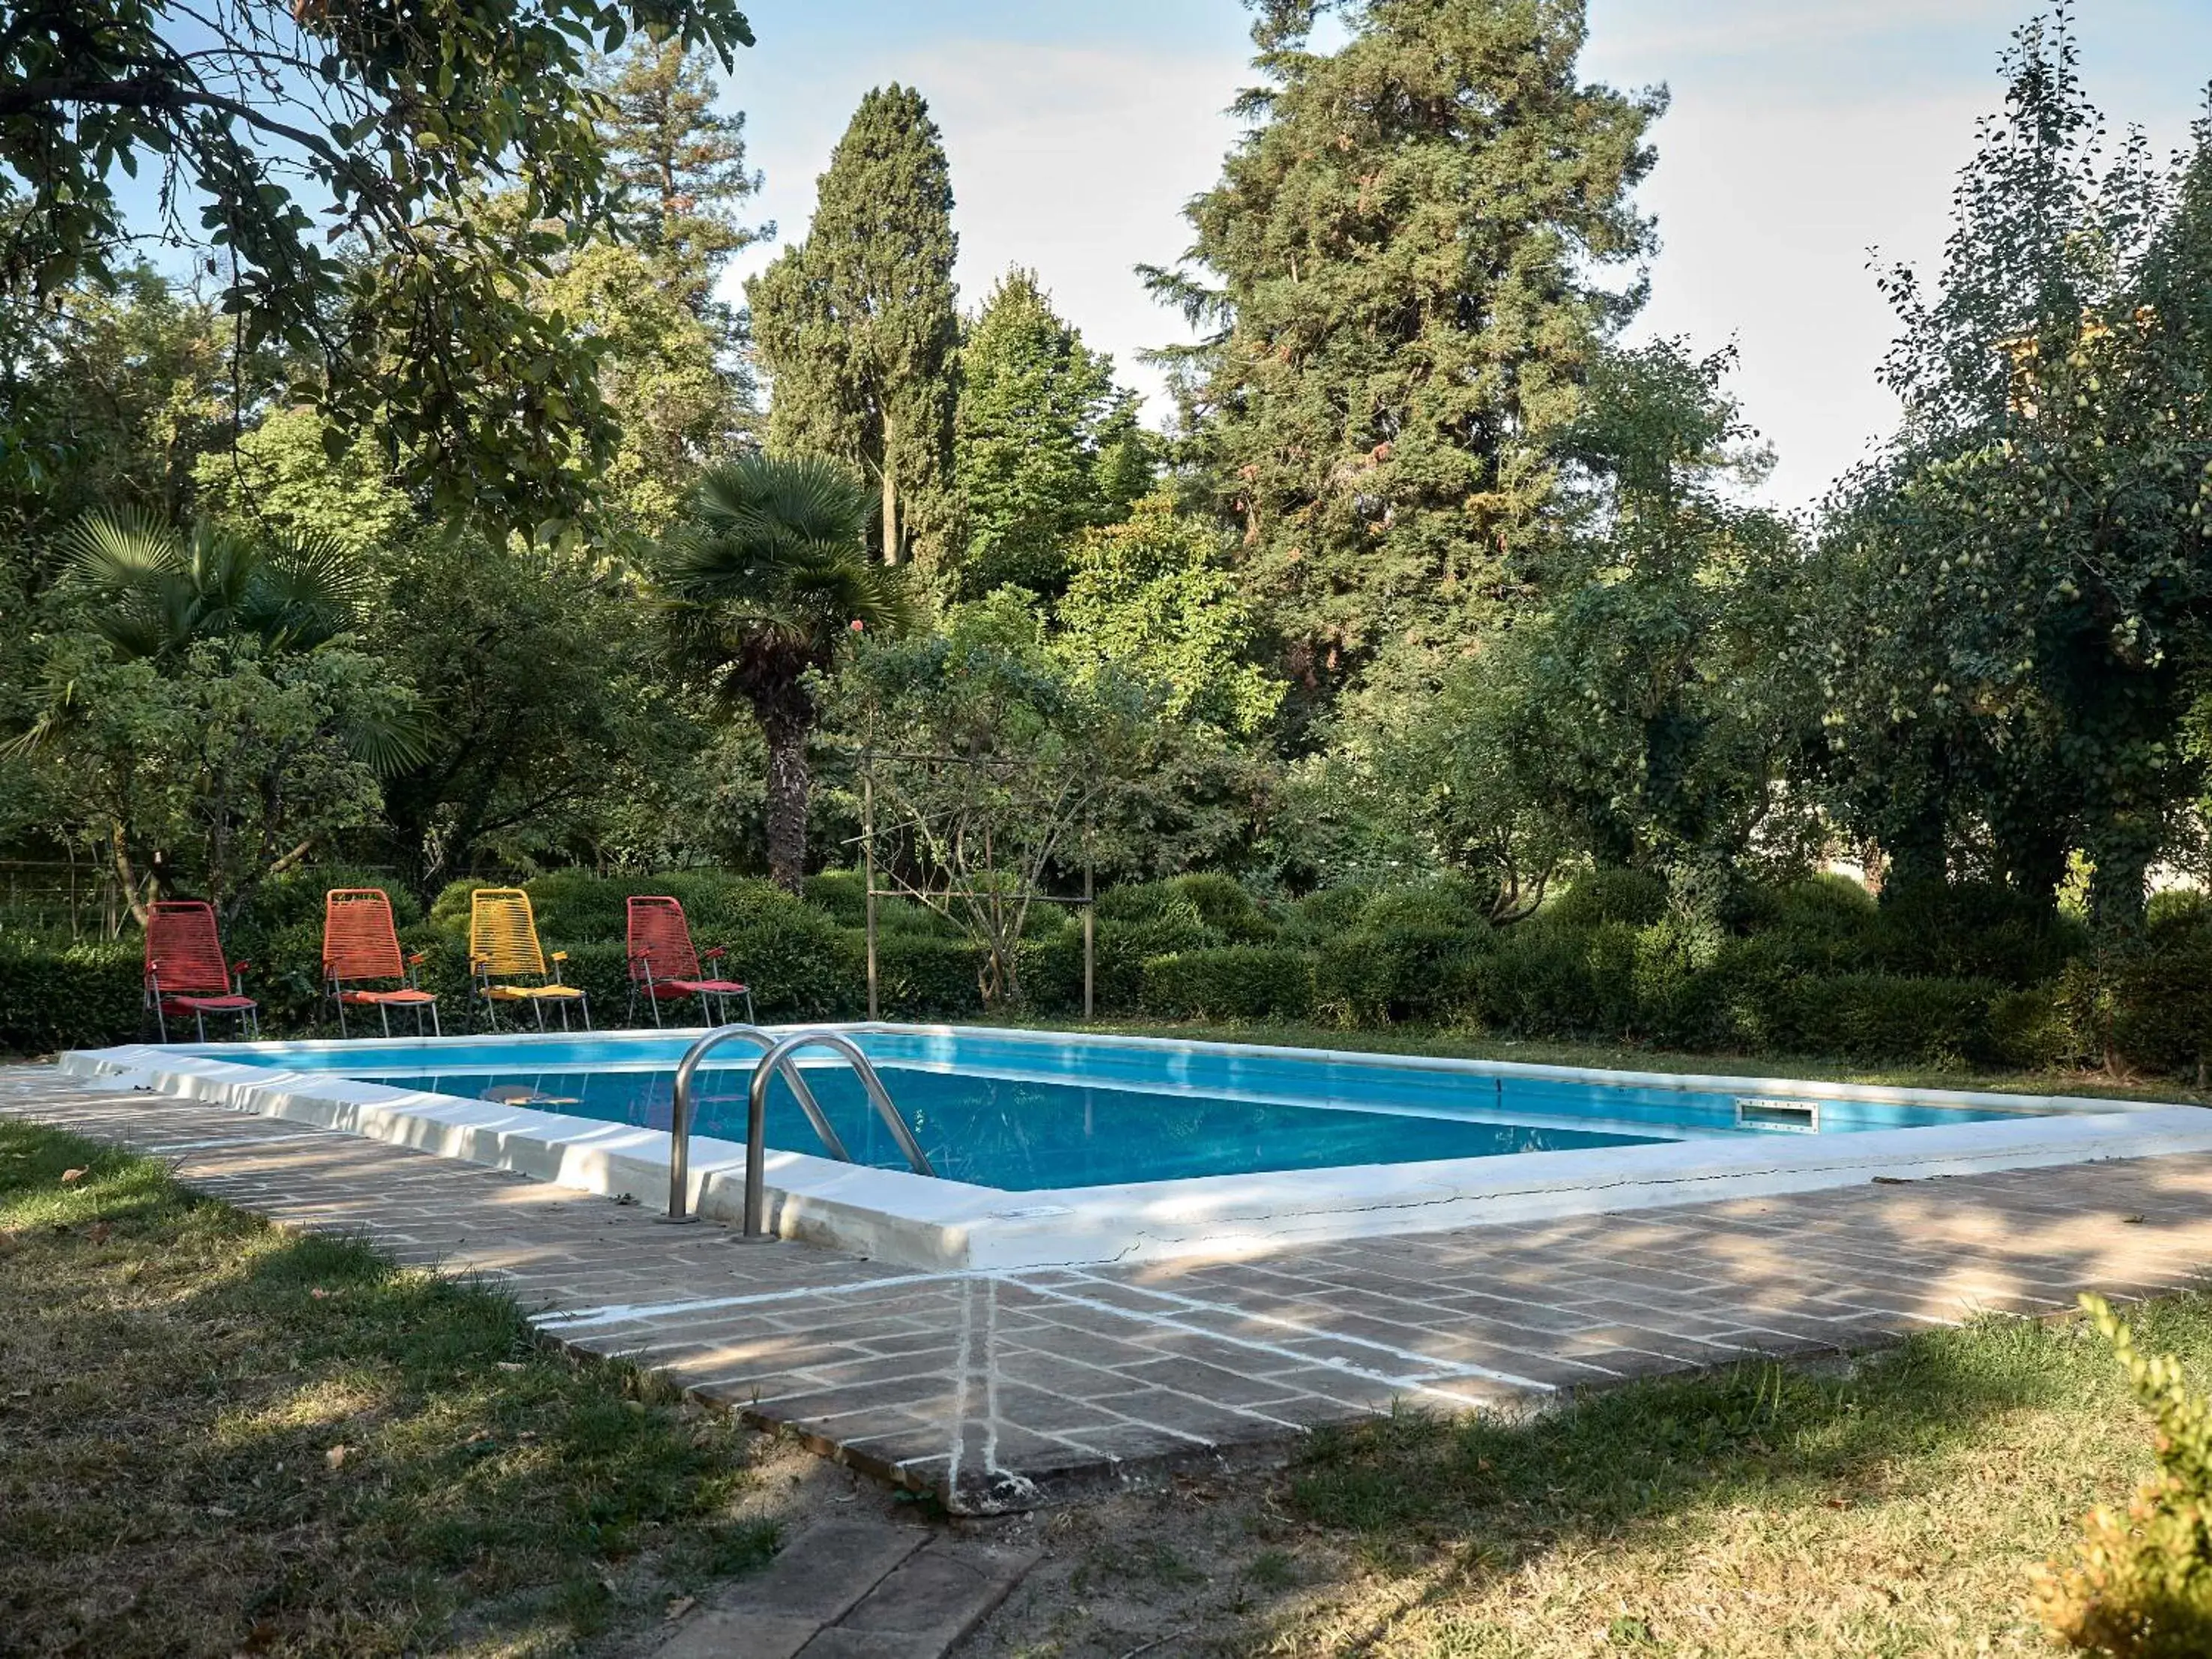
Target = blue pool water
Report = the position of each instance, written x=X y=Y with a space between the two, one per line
x=1024 y=1113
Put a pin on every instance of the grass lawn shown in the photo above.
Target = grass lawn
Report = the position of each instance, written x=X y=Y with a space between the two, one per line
x=1900 y=1505
x=1615 y=1056
x=218 y=1437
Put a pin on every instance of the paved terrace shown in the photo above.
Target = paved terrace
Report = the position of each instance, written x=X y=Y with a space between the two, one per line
x=996 y=1390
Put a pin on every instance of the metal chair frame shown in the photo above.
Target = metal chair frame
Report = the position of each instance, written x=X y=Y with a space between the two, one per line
x=406 y=966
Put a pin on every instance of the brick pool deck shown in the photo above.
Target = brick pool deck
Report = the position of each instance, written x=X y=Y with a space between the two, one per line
x=997 y=1390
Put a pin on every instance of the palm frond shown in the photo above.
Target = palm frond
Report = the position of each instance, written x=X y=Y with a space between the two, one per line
x=122 y=551
x=388 y=743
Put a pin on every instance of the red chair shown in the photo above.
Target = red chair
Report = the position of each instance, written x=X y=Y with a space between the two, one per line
x=185 y=973
x=360 y=943
x=664 y=968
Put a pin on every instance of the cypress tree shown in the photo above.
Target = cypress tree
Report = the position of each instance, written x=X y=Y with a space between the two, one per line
x=1403 y=258
x=857 y=326
x=1045 y=444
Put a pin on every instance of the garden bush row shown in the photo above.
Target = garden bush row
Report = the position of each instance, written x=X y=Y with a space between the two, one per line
x=1958 y=974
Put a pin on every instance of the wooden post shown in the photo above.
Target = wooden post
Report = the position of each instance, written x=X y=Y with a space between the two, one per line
x=868 y=863
x=1089 y=940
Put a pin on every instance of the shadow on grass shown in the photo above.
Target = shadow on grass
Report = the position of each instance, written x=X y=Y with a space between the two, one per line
x=1482 y=1497
x=284 y=1443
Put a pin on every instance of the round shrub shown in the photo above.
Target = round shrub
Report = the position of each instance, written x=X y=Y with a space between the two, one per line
x=1449 y=900
x=1406 y=971
x=1320 y=917
x=1221 y=903
x=1234 y=982
x=1124 y=947
x=1535 y=981
x=1973 y=930
x=842 y=893
x=1634 y=897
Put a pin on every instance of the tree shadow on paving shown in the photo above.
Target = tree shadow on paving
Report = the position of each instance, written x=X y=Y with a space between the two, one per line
x=281 y=1442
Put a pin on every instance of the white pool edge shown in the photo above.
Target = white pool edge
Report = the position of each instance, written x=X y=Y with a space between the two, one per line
x=939 y=1224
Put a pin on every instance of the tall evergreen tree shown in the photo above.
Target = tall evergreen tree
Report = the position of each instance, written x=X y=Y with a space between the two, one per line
x=1045 y=444
x=679 y=163
x=857 y=326
x=1403 y=259
x=675 y=366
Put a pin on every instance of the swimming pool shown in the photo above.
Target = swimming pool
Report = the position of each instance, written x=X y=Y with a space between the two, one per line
x=1056 y=1147
x=1033 y=1113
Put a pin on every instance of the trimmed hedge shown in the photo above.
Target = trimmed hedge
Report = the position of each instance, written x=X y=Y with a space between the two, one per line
x=1964 y=974
x=75 y=996
x=1231 y=981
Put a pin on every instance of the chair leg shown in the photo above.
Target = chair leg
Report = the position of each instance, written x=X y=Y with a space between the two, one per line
x=584 y=1006
x=436 y=1029
x=161 y=1019
x=383 y=1013
x=199 y=1018
x=751 y=1019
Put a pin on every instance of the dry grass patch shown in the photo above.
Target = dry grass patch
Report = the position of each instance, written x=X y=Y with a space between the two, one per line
x=1899 y=1505
x=218 y=1437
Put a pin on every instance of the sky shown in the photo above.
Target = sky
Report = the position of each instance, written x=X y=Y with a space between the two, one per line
x=1802 y=135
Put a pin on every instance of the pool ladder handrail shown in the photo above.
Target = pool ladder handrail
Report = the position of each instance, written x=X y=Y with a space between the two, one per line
x=776 y=1058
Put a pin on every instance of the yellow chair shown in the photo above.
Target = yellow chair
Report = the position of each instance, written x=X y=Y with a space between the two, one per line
x=503 y=947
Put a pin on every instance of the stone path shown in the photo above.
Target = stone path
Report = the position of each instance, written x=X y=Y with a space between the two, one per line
x=994 y=1390
x=855 y=1589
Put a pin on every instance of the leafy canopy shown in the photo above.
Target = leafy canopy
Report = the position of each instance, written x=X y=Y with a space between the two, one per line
x=318 y=154
x=1404 y=263
x=1044 y=445
x=857 y=326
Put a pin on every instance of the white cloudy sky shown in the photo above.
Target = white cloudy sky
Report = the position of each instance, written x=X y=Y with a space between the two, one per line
x=1803 y=133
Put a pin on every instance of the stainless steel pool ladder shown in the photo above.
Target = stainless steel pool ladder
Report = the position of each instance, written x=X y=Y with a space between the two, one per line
x=776 y=1058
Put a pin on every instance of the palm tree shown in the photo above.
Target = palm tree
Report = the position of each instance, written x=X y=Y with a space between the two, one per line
x=157 y=591
x=152 y=592
x=768 y=573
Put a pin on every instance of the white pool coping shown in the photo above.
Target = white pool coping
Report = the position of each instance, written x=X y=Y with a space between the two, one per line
x=939 y=1224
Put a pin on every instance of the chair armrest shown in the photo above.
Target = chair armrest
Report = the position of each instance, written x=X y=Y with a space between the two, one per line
x=560 y=955
x=715 y=954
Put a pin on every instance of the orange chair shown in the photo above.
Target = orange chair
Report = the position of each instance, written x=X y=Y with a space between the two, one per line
x=359 y=944
x=503 y=946
x=664 y=966
x=185 y=973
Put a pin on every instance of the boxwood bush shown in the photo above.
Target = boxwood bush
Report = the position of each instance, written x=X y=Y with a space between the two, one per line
x=1231 y=981
x=70 y=996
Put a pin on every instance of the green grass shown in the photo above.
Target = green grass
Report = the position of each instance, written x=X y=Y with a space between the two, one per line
x=1616 y=1056
x=1903 y=1506
x=218 y=1436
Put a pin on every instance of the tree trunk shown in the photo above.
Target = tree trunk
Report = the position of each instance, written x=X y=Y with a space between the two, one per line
x=890 y=498
x=789 y=786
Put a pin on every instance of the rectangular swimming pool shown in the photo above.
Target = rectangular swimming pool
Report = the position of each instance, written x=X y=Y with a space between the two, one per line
x=1058 y=1147
x=1031 y=1113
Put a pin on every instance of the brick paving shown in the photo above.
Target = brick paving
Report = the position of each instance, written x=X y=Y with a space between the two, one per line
x=996 y=1389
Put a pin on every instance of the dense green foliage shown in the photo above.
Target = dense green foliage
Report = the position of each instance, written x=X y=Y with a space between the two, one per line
x=324 y=148
x=1435 y=668
x=2141 y=1586
x=2008 y=607
x=859 y=325
x=1402 y=259
x=1044 y=443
